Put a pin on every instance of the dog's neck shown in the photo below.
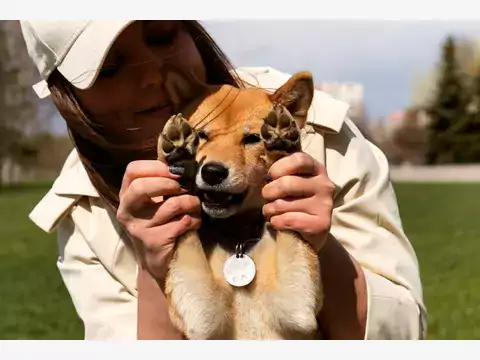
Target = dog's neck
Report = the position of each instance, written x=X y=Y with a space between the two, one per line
x=244 y=228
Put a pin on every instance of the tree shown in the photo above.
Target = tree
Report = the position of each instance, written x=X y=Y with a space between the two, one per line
x=447 y=108
x=467 y=130
x=21 y=112
x=473 y=109
x=425 y=85
x=410 y=138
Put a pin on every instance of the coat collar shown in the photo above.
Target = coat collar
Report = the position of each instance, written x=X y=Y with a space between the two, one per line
x=326 y=113
x=73 y=179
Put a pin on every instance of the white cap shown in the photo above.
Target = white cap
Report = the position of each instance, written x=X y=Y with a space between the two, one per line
x=76 y=48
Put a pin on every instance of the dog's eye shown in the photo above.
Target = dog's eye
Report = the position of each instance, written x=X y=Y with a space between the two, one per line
x=251 y=139
x=202 y=135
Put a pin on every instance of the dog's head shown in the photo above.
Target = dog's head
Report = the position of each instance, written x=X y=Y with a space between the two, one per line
x=231 y=154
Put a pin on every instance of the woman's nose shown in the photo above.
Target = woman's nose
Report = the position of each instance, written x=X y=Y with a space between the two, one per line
x=150 y=73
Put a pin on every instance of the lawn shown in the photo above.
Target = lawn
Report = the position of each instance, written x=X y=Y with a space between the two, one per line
x=443 y=224
x=33 y=301
x=440 y=219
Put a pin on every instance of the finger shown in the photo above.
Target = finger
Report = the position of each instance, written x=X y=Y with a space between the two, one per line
x=175 y=206
x=156 y=238
x=306 y=224
x=281 y=206
x=180 y=225
x=145 y=168
x=288 y=186
x=141 y=191
x=298 y=163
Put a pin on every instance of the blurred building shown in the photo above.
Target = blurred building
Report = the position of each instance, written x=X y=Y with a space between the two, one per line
x=351 y=93
x=354 y=94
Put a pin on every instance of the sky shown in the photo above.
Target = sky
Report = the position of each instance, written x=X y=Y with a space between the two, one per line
x=387 y=57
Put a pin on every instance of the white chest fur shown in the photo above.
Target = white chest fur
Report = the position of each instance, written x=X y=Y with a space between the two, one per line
x=281 y=302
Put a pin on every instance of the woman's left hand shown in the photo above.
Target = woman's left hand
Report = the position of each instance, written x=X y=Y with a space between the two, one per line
x=300 y=198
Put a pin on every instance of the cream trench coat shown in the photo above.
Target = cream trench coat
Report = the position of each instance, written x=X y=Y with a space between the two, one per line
x=100 y=272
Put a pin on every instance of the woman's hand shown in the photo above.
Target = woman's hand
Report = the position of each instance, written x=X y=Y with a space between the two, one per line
x=300 y=198
x=152 y=218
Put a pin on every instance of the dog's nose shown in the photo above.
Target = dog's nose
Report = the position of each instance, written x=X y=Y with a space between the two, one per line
x=214 y=173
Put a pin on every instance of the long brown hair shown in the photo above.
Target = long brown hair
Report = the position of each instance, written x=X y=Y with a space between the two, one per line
x=104 y=162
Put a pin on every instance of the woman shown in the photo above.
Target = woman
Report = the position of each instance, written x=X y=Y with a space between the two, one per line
x=115 y=230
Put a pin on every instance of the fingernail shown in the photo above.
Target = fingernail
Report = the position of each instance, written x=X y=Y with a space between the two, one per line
x=176 y=170
x=268 y=178
x=187 y=219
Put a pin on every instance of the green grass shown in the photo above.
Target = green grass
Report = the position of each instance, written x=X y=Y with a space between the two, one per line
x=440 y=219
x=33 y=301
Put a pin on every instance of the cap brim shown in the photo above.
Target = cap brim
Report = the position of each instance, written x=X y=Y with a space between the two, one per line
x=86 y=56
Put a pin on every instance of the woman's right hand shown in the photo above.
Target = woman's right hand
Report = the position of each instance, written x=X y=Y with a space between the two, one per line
x=153 y=221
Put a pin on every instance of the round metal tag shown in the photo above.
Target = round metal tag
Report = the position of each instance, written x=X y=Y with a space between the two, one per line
x=239 y=271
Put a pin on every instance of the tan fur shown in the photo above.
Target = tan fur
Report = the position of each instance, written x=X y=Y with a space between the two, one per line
x=286 y=295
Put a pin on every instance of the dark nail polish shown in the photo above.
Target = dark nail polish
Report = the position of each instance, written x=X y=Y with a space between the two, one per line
x=268 y=178
x=176 y=170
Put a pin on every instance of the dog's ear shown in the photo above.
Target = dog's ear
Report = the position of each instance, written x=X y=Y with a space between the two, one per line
x=296 y=95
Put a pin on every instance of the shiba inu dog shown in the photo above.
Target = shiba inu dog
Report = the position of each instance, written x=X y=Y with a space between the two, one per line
x=237 y=277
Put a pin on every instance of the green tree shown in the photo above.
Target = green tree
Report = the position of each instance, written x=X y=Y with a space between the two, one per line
x=474 y=105
x=447 y=109
x=467 y=52
x=467 y=131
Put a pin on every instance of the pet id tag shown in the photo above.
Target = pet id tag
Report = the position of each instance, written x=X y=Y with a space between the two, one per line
x=239 y=270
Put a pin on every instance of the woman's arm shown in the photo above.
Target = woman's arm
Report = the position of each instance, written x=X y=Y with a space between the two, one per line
x=349 y=214
x=344 y=311
x=370 y=271
x=153 y=319
x=154 y=222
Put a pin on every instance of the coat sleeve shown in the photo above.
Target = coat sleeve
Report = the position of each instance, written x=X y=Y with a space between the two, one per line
x=367 y=222
x=104 y=304
x=97 y=268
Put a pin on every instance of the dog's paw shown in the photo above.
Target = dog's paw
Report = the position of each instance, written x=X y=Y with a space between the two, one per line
x=280 y=132
x=178 y=142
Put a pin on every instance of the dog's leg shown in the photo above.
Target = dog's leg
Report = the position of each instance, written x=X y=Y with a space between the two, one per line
x=197 y=305
x=298 y=295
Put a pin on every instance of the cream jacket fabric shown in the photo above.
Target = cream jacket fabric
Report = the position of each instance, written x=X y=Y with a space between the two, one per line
x=100 y=272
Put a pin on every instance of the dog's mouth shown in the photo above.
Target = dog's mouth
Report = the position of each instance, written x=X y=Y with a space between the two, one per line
x=220 y=199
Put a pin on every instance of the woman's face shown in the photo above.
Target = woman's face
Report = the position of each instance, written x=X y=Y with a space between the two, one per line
x=129 y=98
